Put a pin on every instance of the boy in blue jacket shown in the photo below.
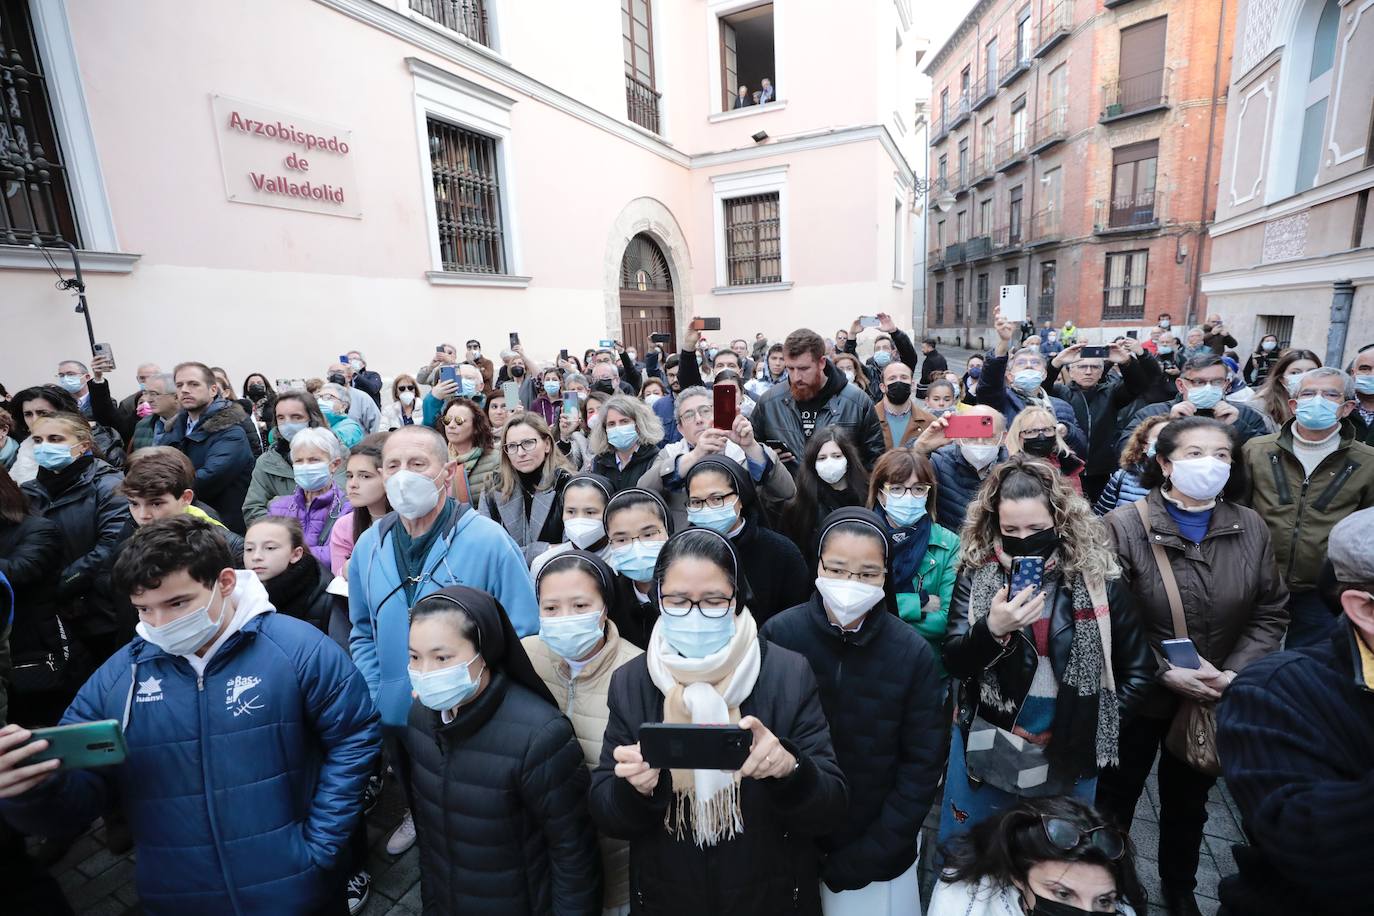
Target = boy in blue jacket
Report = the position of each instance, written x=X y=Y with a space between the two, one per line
x=250 y=737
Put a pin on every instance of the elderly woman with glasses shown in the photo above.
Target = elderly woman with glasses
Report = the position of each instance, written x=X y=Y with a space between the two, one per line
x=726 y=842
x=526 y=494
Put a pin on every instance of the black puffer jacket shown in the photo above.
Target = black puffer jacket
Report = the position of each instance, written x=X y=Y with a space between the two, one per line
x=841 y=404
x=85 y=501
x=500 y=806
x=300 y=591
x=973 y=653
x=1096 y=408
x=623 y=479
x=885 y=701
x=31 y=560
x=769 y=868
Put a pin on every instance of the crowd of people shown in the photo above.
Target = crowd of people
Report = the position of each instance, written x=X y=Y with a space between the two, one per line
x=1005 y=595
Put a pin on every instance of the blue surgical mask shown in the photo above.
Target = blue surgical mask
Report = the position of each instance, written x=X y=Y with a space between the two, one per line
x=1205 y=397
x=52 y=456
x=572 y=637
x=718 y=520
x=1150 y=450
x=881 y=358
x=467 y=388
x=1364 y=384
x=636 y=560
x=72 y=383
x=445 y=688
x=622 y=436
x=551 y=389
x=1316 y=413
x=1166 y=351
x=694 y=635
x=312 y=476
x=288 y=430
x=1292 y=382
x=1028 y=381
x=904 y=511
x=1268 y=345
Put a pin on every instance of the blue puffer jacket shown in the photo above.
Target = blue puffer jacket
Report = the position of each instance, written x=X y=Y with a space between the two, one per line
x=959 y=482
x=242 y=786
x=1123 y=489
x=219 y=449
x=475 y=551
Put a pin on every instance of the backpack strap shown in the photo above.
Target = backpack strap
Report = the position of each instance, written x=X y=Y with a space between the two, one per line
x=1166 y=572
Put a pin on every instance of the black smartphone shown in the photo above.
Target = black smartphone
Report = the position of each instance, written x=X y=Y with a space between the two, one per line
x=1181 y=653
x=105 y=350
x=1095 y=353
x=514 y=340
x=660 y=338
x=1026 y=572
x=694 y=747
x=706 y=324
x=439 y=349
x=724 y=396
x=563 y=355
x=777 y=445
x=1134 y=335
x=1205 y=412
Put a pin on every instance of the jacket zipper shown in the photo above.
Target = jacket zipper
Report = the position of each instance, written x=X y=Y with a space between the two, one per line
x=1297 y=529
x=210 y=790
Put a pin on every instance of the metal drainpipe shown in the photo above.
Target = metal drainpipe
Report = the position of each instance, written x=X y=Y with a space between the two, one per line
x=1207 y=171
x=1342 y=302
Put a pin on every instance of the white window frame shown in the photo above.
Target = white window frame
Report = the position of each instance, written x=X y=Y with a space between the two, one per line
x=447 y=97
x=744 y=184
x=495 y=17
x=715 y=9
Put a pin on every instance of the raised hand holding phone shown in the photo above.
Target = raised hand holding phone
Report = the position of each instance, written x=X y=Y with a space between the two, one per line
x=18 y=772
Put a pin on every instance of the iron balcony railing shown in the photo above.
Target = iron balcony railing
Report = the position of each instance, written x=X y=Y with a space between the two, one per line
x=1054 y=27
x=962 y=110
x=977 y=248
x=954 y=254
x=1046 y=226
x=984 y=165
x=641 y=103
x=1050 y=128
x=984 y=89
x=936 y=257
x=1144 y=210
x=1012 y=64
x=1011 y=151
x=466 y=17
x=1136 y=94
x=1005 y=238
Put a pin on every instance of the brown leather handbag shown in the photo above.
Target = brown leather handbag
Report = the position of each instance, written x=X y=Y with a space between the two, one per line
x=1192 y=735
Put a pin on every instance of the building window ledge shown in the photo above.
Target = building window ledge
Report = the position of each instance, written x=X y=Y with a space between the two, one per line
x=24 y=257
x=746 y=111
x=752 y=288
x=1138 y=229
x=459 y=278
x=1127 y=115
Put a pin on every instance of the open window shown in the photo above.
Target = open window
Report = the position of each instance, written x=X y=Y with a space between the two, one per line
x=747 y=58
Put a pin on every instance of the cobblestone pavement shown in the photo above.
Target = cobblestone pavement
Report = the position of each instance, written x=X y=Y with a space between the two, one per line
x=100 y=884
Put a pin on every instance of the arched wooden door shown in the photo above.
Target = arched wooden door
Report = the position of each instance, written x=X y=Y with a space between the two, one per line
x=646 y=295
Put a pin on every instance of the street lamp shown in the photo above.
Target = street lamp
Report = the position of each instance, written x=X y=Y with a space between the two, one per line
x=922 y=188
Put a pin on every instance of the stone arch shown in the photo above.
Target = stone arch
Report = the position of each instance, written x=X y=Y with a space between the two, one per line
x=649 y=216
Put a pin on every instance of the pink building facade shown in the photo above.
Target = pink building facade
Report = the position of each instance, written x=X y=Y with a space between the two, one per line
x=266 y=184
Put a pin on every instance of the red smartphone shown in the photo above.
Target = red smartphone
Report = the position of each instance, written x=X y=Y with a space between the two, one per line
x=706 y=324
x=969 y=427
x=724 y=395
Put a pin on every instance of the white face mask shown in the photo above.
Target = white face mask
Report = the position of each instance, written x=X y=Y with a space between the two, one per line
x=831 y=470
x=412 y=495
x=407 y=398
x=583 y=532
x=849 y=374
x=846 y=599
x=185 y=635
x=1200 y=478
x=980 y=456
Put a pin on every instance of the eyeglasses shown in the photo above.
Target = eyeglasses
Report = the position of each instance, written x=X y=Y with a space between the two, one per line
x=620 y=540
x=713 y=606
x=868 y=578
x=524 y=445
x=1331 y=394
x=1067 y=836
x=456 y=422
x=406 y=388
x=1201 y=382
x=918 y=491
x=714 y=502
x=701 y=413
x=1041 y=433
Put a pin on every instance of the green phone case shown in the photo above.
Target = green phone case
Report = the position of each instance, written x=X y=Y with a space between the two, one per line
x=82 y=745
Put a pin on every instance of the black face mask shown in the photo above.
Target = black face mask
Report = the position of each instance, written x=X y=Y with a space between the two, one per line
x=898 y=392
x=256 y=392
x=336 y=378
x=1039 y=447
x=1040 y=544
x=517 y=371
x=1045 y=907
x=604 y=386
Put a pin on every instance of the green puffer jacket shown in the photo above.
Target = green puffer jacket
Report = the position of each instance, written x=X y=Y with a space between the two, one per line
x=938 y=572
x=1301 y=512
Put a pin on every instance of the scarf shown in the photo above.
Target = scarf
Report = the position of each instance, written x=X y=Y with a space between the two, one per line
x=410 y=553
x=290 y=590
x=907 y=548
x=59 y=482
x=468 y=459
x=706 y=691
x=1088 y=679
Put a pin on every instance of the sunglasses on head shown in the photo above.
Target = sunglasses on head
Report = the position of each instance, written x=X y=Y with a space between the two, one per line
x=1068 y=837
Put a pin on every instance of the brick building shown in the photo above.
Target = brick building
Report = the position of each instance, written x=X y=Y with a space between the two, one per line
x=1076 y=138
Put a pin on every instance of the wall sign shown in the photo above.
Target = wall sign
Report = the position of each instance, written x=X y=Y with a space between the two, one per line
x=276 y=159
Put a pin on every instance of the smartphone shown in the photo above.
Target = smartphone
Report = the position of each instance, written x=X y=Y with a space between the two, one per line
x=1205 y=412
x=343 y=359
x=694 y=747
x=777 y=445
x=563 y=355
x=724 y=395
x=448 y=374
x=1026 y=572
x=512 y=393
x=105 y=350
x=969 y=427
x=1095 y=353
x=606 y=343
x=83 y=745
x=868 y=321
x=439 y=349
x=660 y=338
x=570 y=404
x=1181 y=653
x=283 y=384
x=705 y=324
x=514 y=339
x=1134 y=335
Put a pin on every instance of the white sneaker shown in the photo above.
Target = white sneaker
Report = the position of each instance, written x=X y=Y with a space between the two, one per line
x=359 y=889
x=403 y=837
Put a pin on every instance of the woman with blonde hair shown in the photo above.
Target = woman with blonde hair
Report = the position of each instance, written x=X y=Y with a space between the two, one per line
x=624 y=441
x=1045 y=643
x=1036 y=433
x=1124 y=487
x=525 y=495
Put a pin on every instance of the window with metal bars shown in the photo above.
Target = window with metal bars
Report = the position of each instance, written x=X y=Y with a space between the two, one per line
x=35 y=201
x=467 y=200
x=940 y=303
x=637 y=38
x=753 y=239
x=466 y=17
x=1124 y=293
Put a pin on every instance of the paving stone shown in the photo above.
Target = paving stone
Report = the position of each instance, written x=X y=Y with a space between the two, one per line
x=102 y=885
x=99 y=862
x=404 y=872
x=411 y=901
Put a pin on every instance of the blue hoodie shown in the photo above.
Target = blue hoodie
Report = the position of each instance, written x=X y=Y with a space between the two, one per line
x=475 y=552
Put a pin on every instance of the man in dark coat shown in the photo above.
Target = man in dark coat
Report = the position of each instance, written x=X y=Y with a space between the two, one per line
x=208 y=430
x=934 y=365
x=1200 y=373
